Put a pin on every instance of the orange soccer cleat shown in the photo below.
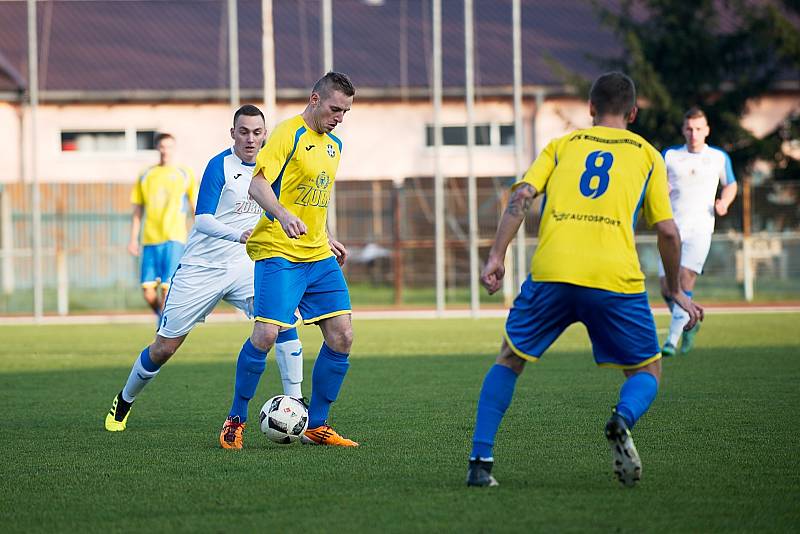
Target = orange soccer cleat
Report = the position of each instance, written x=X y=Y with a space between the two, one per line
x=230 y=437
x=325 y=435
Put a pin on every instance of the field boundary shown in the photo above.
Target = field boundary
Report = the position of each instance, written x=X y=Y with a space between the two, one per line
x=364 y=314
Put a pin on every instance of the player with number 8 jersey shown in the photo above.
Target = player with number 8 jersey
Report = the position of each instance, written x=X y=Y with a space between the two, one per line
x=585 y=269
x=594 y=182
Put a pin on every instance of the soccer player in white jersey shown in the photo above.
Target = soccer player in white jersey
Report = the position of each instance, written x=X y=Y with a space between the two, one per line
x=694 y=171
x=214 y=267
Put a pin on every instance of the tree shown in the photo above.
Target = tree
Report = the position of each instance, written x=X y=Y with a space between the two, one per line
x=714 y=54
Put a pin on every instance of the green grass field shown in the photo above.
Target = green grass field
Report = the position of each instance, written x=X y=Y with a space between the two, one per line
x=720 y=445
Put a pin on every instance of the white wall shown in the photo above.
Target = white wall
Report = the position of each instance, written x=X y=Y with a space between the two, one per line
x=9 y=143
x=383 y=140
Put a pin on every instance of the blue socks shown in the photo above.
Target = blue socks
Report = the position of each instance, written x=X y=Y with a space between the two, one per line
x=636 y=396
x=286 y=335
x=249 y=368
x=496 y=394
x=147 y=363
x=326 y=381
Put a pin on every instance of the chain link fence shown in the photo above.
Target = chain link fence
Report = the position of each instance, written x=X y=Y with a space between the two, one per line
x=389 y=230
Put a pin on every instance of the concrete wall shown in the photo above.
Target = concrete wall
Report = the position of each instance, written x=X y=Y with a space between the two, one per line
x=382 y=140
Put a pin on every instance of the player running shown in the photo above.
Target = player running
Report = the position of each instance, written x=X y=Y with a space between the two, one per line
x=694 y=170
x=586 y=269
x=214 y=267
x=295 y=267
x=163 y=195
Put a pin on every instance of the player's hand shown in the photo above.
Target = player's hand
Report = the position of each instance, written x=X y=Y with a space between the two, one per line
x=245 y=236
x=338 y=250
x=695 y=311
x=294 y=227
x=492 y=274
x=721 y=207
x=133 y=248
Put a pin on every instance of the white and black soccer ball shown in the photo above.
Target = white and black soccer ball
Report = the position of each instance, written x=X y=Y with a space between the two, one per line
x=283 y=419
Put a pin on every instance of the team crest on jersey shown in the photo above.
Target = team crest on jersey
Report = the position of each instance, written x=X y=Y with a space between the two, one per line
x=331 y=151
x=323 y=180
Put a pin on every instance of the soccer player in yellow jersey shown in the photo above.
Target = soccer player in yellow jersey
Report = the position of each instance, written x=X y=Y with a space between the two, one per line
x=585 y=269
x=297 y=264
x=163 y=195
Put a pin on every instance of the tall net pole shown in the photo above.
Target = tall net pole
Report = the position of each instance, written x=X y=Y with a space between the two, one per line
x=522 y=264
x=327 y=66
x=233 y=52
x=438 y=178
x=33 y=178
x=268 y=64
x=472 y=188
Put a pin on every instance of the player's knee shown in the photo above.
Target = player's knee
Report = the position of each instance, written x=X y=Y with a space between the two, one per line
x=150 y=296
x=342 y=340
x=509 y=359
x=263 y=338
x=163 y=349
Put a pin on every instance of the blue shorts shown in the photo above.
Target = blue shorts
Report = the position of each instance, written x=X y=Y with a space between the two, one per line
x=620 y=325
x=316 y=288
x=159 y=262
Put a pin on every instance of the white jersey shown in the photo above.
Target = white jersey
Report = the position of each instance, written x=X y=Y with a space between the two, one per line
x=693 y=180
x=223 y=194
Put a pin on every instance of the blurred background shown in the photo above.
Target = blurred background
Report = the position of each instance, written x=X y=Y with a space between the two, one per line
x=455 y=98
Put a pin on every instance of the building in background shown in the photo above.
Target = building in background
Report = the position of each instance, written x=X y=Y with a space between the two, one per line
x=113 y=74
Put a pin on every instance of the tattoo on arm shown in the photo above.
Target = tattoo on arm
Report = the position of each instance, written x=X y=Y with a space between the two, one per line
x=521 y=200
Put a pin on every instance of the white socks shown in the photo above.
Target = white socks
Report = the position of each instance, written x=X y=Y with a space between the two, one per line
x=137 y=380
x=289 y=356
x=679 y=320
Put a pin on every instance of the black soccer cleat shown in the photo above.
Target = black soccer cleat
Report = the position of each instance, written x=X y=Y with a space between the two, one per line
x=625 y=460
x=479 y=473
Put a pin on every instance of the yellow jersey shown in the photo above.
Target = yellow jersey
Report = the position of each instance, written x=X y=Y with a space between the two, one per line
x=165 y=193
x=595 y=182
x=301 y=165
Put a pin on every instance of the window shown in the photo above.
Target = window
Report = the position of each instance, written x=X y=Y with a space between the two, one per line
x=107 y=141
x=507 y=136
x=72 y=141
x=146 y=140
x=485 y=135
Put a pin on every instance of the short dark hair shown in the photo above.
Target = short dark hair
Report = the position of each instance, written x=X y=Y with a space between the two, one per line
x=694 y=112
x=613 y=93
x=160 y=137
x=249 y=110
x=334 y=81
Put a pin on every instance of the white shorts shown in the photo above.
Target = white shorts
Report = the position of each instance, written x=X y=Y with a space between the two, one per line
x=694 y=251
x=196 y=291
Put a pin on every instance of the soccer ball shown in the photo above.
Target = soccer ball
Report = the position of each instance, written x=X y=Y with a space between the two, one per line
x=283 y=419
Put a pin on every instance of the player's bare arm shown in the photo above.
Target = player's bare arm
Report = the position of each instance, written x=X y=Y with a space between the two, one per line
x=261 y=191
x=669 y=246
x=136 y=225
x=338 y=250
x=726 y=198
x=518 y=207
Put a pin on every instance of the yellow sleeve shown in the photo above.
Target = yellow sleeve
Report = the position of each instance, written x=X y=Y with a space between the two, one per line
x=137 y=197
x=657 y=207
x=191 y=186
x=273 y=155
x=539 y=172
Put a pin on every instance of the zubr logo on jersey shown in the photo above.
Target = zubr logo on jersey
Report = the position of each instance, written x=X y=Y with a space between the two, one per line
x=246 y=206
x=317 y=194
x=331 y=151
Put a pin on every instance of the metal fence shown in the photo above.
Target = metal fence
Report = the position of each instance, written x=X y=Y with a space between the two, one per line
x=389 y=230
